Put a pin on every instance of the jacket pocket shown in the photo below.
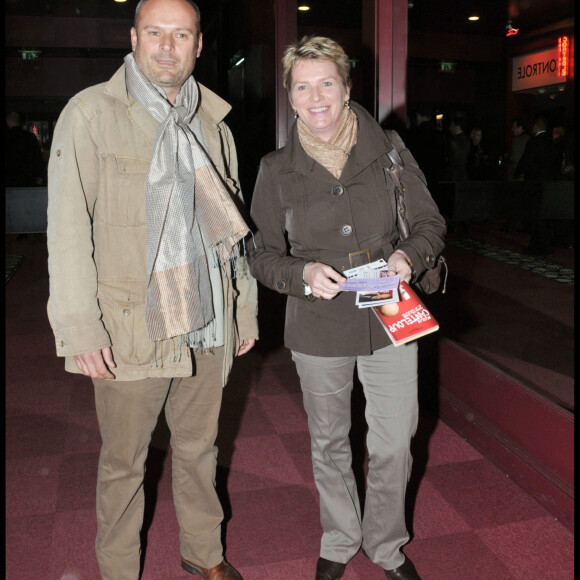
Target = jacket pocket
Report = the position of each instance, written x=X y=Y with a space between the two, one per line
x=125 y=323
x=122 y=202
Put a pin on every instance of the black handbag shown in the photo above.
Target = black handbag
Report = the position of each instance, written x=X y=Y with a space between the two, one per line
x=430 y=280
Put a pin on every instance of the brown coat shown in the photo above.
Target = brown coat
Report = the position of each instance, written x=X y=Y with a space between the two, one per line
x=97 y=233
x=325 y=219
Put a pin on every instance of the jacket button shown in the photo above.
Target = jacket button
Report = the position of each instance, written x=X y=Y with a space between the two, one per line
x=338 y=190
x=58 y=153
x=281 y=285
x=126 y=312
x=430 y=259
x=346 y=230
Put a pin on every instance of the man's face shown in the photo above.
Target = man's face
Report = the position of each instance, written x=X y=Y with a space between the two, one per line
x=166 y=43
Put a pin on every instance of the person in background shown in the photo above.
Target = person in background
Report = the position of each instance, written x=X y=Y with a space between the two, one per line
x=24 y=163
x=327 y=195
x=538 y=163
x=427 y=146
x=559 y=141
x=149 y=298
x=568 y=153
x=539 y=158
x=478 y=163
x=458 y=150
x=520 y=139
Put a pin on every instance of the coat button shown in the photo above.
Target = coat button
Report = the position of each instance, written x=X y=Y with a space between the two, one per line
x=346 y=230
x=126 y=312
x=338 y=190
x=430 y=259
x=281 y=285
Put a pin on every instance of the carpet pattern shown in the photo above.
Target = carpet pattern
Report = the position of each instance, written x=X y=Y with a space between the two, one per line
x=12 y=263
x=467 y=519
x=533 y=264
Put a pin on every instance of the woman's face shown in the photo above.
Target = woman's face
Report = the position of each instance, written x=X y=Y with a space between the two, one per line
x=318 y=95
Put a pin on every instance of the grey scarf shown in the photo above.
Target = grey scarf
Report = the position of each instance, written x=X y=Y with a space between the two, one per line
x=186 y=203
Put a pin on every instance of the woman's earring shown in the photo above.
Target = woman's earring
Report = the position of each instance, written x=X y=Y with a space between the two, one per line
x=295 y=113
x=347 y=104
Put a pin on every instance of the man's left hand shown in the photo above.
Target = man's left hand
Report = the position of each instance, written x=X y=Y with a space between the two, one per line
x=246 y=345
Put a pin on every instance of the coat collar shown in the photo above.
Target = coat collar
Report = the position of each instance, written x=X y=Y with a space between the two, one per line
x=371 y=145
x=211 y=107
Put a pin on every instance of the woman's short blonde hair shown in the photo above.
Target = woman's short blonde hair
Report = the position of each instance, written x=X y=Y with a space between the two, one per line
x=315 y=48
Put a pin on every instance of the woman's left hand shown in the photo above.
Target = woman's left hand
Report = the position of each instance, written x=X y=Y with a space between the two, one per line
x=399 y=263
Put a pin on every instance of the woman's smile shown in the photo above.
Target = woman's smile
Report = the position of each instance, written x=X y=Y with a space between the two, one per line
x=318 y=96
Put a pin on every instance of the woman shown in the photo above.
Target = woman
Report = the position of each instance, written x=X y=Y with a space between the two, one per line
x=326 y=196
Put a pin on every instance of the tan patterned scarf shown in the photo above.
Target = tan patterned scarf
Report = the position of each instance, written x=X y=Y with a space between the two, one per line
x=186 y=204
x=331 y=154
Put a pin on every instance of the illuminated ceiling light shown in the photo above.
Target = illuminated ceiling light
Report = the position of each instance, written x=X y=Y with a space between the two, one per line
x=120 y=1
x=304 y=8
x=473 y=18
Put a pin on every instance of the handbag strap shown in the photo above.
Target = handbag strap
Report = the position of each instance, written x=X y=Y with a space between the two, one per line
x=402 y=222
x=394 y=171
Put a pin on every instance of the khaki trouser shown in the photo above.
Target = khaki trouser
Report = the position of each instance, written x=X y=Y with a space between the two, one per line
x=389 y=379
x=127 y=412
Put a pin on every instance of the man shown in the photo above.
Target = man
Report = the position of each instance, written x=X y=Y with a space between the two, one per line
x=478 y=164
x=24 y=162
x=538 y=164
x=538 y=161
x=458 y=151
x=520 y=140
x=149 y=295
x=427 y=146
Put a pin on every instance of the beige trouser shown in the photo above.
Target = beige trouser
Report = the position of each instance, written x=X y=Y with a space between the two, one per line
x=389 y=380
x=127 y=412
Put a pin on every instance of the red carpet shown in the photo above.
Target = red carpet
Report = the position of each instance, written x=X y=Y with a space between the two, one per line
x=469 y=521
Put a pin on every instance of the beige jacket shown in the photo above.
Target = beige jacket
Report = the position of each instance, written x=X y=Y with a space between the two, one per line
x=97 y=233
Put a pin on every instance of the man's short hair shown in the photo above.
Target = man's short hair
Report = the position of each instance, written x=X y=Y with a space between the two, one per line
x=518 y=122
x=424 y=110
x=315 y=48
x=13 y=119
x=458 y=122
x=190 y=2
x=541 y=122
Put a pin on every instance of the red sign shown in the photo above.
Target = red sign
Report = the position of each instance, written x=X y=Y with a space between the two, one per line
x=563 y=49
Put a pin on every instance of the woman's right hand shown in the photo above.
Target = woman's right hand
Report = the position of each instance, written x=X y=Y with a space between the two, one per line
x=323 y=280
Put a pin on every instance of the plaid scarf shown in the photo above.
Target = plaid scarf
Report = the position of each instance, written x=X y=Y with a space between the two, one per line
x=186 y=204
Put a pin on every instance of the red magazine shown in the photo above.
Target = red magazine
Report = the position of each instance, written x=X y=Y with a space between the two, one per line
x=407 y=319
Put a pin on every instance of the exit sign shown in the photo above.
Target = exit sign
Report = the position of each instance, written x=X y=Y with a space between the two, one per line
x=447 y=66
x=29 y=54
